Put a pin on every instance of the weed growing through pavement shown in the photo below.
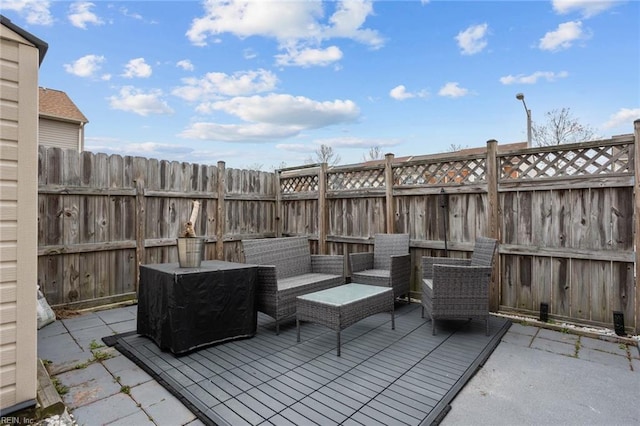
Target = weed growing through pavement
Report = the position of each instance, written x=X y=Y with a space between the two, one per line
x=95 y=345
x=101 y=356
x=577 y=347
x=60 y=388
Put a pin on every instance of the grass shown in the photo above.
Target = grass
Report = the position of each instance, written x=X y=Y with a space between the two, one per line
x=60 y=388
x=95 y=345
x=101 y=355
x=578 y=345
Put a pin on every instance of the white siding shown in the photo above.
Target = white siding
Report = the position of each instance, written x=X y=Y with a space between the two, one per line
x=60 y=134
x=18 y=218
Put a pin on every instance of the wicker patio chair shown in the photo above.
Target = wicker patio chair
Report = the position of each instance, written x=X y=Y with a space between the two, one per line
x=388 y=266
x=458 y=288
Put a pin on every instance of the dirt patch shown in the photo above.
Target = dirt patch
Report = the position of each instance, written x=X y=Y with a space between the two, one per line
x=64 y=313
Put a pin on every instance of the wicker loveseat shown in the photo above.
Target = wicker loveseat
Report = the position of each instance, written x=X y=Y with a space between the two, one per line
x=287 y=269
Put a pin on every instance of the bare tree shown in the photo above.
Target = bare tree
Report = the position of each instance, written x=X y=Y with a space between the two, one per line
x=324 y=154
x=282 y=165
x=456 y=147
x=255 y=166
x=561 y=127
x=375 y=153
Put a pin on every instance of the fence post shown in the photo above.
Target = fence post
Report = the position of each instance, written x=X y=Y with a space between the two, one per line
x=220 y=212
x=388 y=185
x=322 y=209
x=492 y=176
x=140 y=175
x=636 y=210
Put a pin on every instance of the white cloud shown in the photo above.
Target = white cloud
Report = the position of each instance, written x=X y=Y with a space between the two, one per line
x=271 y=117
x=254 y=132
x=289 y=110
x=453 y=90
x=36 y=11
x=137 y=101
x=338 y=142
x=624 y=116
x=310 y=57
x=280 y=20
x=137 y=68
x=299 y=27
x=215 y=85
x=587 y=8
x=249 y=54
x=128 y=14
x=87 y=66
x=296 y=147
x=533 y=78
x=472 y=40
x=400 y=93
x=185 y=64
x=354 y=142
x=80 y=15
x=563 y=37
x=347 y=20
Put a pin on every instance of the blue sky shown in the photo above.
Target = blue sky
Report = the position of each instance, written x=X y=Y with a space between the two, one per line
x=265 y=83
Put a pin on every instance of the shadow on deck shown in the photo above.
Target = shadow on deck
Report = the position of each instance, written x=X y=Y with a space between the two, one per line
x=383 y=376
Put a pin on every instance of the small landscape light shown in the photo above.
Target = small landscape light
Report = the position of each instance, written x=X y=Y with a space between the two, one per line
x=544 y=312
x=618 y=323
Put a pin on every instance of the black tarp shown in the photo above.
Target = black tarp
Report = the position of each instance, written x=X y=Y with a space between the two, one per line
x=182 y=309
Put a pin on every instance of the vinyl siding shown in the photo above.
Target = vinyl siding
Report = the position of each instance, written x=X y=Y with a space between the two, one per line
x=59 y=134
x=18 y=218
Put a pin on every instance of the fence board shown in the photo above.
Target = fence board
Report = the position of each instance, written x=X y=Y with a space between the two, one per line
x=581 y=287
x=541 y=282
x=622 y=218
x=87 y=273
x=600 y=273
x=561 y=294
x=509 y=217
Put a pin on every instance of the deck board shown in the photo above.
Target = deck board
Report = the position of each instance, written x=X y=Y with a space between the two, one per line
x=383 y=376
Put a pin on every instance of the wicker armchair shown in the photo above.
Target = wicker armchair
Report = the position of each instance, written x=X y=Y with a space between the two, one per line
x=458 y=288
x=388 y=266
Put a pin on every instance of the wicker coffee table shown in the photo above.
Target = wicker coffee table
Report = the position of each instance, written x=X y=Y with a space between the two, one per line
x=342 y=306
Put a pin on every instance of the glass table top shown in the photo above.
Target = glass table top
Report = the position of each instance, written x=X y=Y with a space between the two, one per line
x=343 y=294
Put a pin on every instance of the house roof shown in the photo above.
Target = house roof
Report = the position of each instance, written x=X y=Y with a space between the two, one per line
x=41 y=45
x=56 y=104
x=467 y=151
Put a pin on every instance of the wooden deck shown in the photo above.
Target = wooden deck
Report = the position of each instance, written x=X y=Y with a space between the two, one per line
x=383 y=376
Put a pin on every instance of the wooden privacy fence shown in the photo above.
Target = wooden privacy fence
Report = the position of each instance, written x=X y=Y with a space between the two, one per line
x=564 y=216
x=100 y=216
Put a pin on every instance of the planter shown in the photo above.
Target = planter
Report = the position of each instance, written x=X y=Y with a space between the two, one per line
x=190 y=251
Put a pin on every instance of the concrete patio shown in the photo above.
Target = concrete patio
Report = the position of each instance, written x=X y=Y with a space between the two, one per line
x=535 y=376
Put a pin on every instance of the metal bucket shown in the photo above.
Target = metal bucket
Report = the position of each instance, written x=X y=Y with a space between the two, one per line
x=190 y=252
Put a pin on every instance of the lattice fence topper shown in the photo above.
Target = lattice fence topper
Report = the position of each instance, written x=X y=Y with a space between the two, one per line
x=368 y=178
x=598 y=160
x=460 y=171
x=299 y=184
